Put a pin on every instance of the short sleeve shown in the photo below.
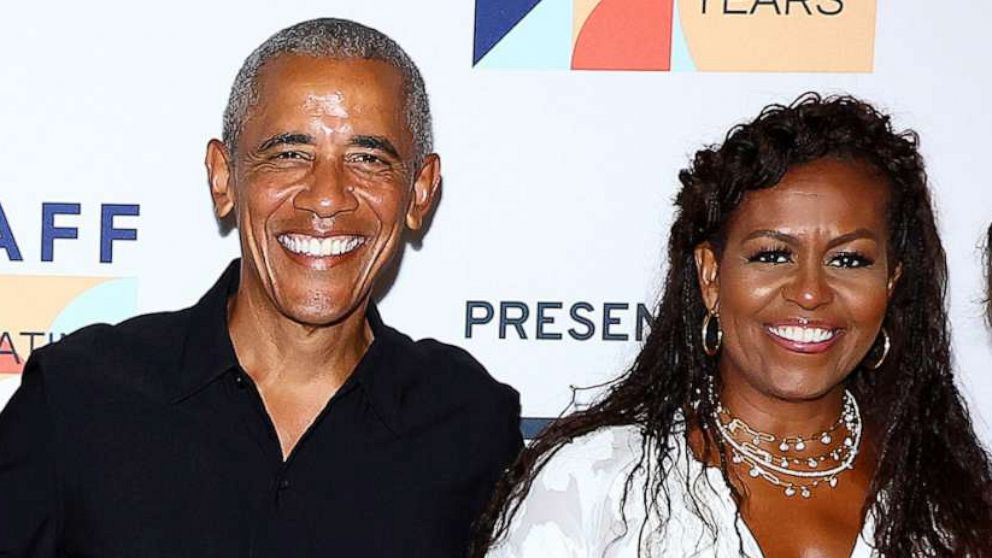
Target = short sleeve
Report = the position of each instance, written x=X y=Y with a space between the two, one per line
x=28 y=501
x=496 y=442
x=501 y=445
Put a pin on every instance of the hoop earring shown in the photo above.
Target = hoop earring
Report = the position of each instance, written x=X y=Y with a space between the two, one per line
x=710 y=315
x=886 y=345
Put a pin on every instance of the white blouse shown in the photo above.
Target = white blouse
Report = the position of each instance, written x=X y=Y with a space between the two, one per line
x=573 y=507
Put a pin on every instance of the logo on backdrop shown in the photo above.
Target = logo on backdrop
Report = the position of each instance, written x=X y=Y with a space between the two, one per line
x=549 y=320
x=37 y=310
x=676 y=35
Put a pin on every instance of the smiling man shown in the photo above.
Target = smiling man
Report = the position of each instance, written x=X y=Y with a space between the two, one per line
x=279 y=416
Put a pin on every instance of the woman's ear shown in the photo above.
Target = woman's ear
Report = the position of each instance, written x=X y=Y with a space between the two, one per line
x=894 y=280
x=708 y=275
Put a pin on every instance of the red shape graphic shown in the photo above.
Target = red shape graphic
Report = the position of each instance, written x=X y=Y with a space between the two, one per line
x=626 y=35
x=9 y=364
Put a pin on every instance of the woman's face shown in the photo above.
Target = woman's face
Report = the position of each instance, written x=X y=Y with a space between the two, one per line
x=803 y=281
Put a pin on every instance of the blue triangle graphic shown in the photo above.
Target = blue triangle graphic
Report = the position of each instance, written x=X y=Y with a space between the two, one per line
x=494 y=19
x=542 y=40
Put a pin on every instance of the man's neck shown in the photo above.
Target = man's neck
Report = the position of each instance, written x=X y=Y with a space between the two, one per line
x=276 y=350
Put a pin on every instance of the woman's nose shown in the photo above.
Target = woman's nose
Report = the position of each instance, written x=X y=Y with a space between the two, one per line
x=809 y=287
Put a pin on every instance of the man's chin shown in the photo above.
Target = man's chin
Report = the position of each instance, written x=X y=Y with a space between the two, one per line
x=318 y=313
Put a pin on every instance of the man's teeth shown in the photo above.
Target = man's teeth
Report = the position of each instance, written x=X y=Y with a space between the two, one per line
x=803 y=334
x=320 y=247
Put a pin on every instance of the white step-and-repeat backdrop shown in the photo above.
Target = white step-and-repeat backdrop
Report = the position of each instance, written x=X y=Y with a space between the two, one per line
x=561 y=124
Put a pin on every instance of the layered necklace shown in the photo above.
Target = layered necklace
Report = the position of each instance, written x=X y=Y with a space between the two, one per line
x=790 y=468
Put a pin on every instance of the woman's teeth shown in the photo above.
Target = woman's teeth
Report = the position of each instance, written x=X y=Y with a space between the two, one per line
x=801 y=334
x=320 y=247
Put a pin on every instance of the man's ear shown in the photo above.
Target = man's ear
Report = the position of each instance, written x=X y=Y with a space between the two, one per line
x=708 y=275
x=425 y=190
x=218 y=164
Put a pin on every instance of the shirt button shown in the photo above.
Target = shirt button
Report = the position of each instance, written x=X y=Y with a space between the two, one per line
x=239 y=381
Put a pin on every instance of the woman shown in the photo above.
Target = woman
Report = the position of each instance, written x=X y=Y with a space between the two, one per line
x=795 y=395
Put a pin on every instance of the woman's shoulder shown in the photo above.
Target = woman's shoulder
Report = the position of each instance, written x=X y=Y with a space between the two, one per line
x=596 y=455
x=573 y=505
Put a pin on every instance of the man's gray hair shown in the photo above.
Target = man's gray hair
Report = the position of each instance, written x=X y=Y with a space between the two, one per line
x=339 y=39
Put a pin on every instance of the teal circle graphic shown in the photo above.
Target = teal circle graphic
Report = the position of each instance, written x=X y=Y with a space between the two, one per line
x=109 y=302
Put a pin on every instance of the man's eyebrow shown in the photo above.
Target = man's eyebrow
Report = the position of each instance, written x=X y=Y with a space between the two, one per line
x=374 y=142
x=284 y=139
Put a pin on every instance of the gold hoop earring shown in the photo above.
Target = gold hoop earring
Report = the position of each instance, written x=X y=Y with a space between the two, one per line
x=886 y=345
x=710 y=315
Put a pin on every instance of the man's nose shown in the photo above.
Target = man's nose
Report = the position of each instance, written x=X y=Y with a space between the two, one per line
x=328 y=191
x=809 y=286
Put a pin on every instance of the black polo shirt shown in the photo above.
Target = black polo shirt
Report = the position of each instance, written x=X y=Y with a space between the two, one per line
x=147 y=439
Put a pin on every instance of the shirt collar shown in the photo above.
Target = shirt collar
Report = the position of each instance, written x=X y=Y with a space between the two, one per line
x=208 y=352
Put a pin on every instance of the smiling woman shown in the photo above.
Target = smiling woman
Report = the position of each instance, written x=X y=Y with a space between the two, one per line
x=795 y=395
x=801 y=278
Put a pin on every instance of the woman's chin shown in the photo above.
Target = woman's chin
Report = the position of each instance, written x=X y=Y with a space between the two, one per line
x=798 y=389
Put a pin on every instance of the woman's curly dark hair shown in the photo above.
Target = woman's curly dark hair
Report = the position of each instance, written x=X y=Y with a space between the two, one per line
x=988 y=276
x=931 y=493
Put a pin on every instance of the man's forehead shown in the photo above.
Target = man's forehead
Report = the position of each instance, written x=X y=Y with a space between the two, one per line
x=329 y=104
x=366 y=92
x=316 y=96
x=288 y=72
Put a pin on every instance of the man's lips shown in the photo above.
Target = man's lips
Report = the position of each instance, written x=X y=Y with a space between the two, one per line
x=804 y=336
x=325 y=246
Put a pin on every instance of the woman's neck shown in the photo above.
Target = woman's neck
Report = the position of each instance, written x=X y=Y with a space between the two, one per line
x=778 y=416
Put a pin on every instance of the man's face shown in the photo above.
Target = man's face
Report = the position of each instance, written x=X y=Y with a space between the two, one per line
x=322 y=182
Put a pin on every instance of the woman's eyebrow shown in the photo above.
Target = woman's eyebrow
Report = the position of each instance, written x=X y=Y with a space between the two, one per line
x=853 y=235
x=777 y=235
x=793 y=240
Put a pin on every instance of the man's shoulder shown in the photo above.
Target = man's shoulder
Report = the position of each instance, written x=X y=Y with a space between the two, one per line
x=458 y=408
x=451 y=370
x=140 y=345
x=145 y=334
x=444 y=384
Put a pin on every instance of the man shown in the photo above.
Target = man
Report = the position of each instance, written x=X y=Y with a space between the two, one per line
x=279 y=416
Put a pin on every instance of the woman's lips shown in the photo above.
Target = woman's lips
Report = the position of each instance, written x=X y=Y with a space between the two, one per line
x=804 y=338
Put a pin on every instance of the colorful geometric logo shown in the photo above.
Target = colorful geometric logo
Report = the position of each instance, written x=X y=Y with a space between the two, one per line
x=38 y=310
x=676 y=35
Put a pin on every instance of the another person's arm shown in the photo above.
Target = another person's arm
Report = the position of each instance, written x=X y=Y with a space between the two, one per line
x=29 y=513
